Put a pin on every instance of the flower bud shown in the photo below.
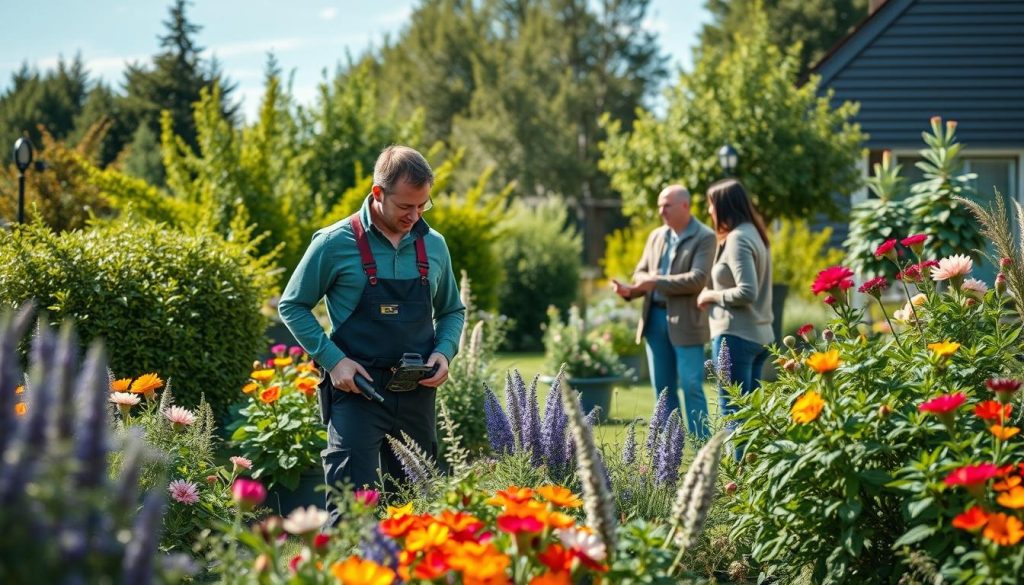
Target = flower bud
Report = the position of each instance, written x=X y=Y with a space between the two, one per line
x=790 y=365
x=751 y=457
x=1004 y=262
x=884 y=411
x=789 y=341
x=731 y=487
x=1000 y=283
x=828 y=335
x=257 y=365
x=212 y=479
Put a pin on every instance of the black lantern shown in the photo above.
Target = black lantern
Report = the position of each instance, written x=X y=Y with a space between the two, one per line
x=728 y=158
x=22 y=160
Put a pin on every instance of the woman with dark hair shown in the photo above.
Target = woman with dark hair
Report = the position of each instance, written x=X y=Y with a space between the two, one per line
x=739 y=296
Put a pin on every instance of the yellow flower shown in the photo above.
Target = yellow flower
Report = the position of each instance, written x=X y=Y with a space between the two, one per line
x=919 y=300
x=400 y=511
x=1012 y=499
x=807 y=407
x=262 y=375
x=424 y=539
x=824 y=362
x=356 y=571
x=944 y=349
x=250 y=388
x=1003 y=433
x=282 y=362
x=19 y=390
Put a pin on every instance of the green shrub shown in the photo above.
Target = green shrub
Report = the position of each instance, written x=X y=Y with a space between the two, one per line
x=798 y=254
x=874 y=221
x=184 y=304
x=623 y=248
x=541 y=256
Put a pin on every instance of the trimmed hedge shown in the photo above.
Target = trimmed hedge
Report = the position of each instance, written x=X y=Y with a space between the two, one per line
x=184 y=305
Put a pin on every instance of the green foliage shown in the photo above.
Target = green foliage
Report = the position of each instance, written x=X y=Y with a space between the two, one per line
x=874 y=221
x=624 y=247
x=585 y=353
x=863 y=482
x=50 y=100
x=184 y=303
x=816 y=24
x=798 y=254
x=795 y=151
x=616 y=320
x=933 y=205
x=62 y=196
x=279 y=428
x=540 y=254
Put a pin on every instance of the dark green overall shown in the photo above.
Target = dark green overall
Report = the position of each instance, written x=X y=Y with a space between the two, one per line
x=394 y=316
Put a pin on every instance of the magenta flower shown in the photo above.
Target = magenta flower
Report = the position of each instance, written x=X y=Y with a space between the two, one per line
x=368 y=498
x=295 y=351
x=972 y=477
x=875 y=286
x=807 y=332
x=915 y=242
x=832 y=280
x=1003 y=388
x=944 y=404
x=184 y=492
x=279 y=349
x=248 y=493
x=886 y=250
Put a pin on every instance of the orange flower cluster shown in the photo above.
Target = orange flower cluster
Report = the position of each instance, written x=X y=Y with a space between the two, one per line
x=1002 y=528
x=533 y=522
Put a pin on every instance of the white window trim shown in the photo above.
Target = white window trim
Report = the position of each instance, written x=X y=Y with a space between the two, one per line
x=1014 y=153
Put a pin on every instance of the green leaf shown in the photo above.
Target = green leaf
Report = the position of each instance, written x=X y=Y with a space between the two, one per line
x=915 y=535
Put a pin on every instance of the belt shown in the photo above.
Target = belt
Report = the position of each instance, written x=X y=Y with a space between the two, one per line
x=659 y=304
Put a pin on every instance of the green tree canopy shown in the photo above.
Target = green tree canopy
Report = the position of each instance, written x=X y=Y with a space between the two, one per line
x=796 y=151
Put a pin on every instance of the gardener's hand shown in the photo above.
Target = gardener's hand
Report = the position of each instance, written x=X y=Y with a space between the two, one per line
x=706 y=298
x=343 y=374
x=645 y=284
x=623 y=290
x=441 y=374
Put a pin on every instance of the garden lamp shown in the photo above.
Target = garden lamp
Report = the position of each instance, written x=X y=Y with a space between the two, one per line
x=22 y=159
x=728 y=158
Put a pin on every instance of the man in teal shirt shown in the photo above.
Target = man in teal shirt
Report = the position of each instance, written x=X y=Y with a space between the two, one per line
x=390 y=290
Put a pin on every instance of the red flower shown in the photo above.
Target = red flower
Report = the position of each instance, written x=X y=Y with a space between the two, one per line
x=992 y=410
x=557 y=558
x=972 y=475
x=517 y=524
x=805 y=329
x=833 y=279
x=1007 y=385
x=830 y=300
x=886 y=249
x=320 y=541
x=875 y=286
x=914 y=240
x=972 y=520
x=943 y=404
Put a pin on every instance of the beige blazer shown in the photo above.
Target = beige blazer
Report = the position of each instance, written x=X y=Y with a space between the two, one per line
x=688 y=275
x=742 y=283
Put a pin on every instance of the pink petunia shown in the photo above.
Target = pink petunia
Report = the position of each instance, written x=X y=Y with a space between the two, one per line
x=241 y=463
x=953 y=268
x=248 y=493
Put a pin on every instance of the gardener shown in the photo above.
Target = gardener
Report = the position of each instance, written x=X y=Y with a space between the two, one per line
x=390 y=290
x=673 y=269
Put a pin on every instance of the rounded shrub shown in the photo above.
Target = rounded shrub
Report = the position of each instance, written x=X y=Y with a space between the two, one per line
x=183 y=304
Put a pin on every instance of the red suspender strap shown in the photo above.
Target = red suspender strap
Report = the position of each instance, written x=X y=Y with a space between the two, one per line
x=421 y=260
x=363 y=243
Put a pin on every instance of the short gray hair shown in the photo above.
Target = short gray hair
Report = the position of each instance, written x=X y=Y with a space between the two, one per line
x=401 y=163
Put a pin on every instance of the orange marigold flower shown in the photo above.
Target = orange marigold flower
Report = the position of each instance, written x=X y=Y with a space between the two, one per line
x=20 y=409
x=270 y=395
x=992 y=410
x=305 y=367
x=398 y=526
x=19 y=390
x=356 y=571
x=552 y=578
x=1012 y=499
x=250 y=388
x=463 y=525
x=1003 y=433
x=807 y=407
x=824 y=362
x=431 y=536
x=262 y=375
x=146 y=384
x=972 y=520
x=944 y=349
x=121 y=385
x=560 y=496
x=1004 y=530
x=511 y=495
x=1008 y=483
x=558 y=520
x=306 y=385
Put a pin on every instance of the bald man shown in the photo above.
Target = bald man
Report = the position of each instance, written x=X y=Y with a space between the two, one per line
x=674 y=268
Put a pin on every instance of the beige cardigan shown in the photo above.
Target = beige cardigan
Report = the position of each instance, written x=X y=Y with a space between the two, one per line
x=741 y=285
x=688 y=275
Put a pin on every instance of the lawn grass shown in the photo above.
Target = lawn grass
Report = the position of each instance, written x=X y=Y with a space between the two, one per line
x=631 y=400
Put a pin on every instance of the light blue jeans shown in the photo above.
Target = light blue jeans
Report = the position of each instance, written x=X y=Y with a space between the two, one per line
x=675 y=366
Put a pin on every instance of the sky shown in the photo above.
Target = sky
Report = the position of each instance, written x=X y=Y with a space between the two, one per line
x=308 y=37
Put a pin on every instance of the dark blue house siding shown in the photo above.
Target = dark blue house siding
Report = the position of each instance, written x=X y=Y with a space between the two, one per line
x=914 y=59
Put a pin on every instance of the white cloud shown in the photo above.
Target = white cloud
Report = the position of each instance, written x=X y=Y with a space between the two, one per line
x=329 y=13
x=395 y=17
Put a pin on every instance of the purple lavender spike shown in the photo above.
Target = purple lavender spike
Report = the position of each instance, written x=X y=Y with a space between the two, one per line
x=514 y=409
x=139 y=554
x=380 y=548
x=667 y=469
x=531 y=432
x=91 y=434
x=676 y=440
x=499 y=431
x=725 y=364
x=629 y=447
x=64 y=369
x=553 y=433
x=657 y=420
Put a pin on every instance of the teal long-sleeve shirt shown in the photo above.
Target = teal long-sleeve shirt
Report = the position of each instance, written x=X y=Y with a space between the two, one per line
x=331 y=268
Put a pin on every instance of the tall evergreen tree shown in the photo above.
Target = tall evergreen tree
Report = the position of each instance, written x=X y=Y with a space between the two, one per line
x=818 y=24
x=173 y=83
x=52 y=99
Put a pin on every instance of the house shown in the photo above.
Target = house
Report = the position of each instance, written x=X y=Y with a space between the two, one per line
x=962 y=60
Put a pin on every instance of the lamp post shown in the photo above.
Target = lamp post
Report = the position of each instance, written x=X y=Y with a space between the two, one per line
x=728 y=158
x=22 y=160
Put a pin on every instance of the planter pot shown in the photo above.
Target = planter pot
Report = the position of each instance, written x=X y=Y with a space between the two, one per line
x=637 y=363
x=283 y=500
x=595 y=392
